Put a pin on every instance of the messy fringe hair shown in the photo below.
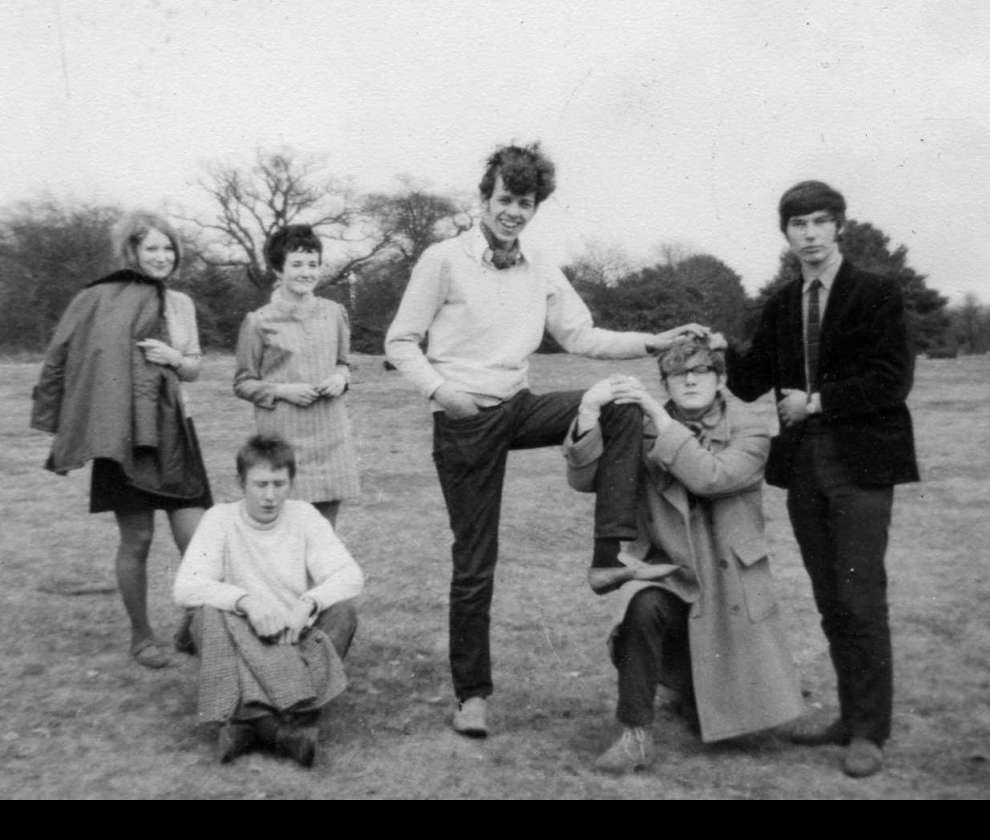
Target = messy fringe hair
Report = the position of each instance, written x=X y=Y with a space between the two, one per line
x=266 y=449
x=130 y=232
x=675 y=359
x=524 y=169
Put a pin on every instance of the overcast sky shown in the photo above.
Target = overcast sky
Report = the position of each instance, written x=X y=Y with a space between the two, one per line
x=669 y=121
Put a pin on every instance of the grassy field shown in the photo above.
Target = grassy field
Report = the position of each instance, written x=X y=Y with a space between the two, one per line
x=79 y=720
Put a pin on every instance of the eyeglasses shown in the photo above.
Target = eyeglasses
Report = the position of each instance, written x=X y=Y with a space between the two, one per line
x=697 y=370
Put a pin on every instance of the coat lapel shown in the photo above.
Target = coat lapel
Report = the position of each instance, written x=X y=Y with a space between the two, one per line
x=838 y=302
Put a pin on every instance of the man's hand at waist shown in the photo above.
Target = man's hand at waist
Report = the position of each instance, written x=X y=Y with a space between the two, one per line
x=455 y=403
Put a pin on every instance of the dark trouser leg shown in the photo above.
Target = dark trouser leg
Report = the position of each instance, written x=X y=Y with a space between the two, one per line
x=470 y=457
x=339 y=622
x=842 y=531
x=651 y=639
x=543 y=421
x=860 y=526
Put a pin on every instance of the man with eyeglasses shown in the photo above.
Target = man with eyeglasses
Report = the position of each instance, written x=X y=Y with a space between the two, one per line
x=834 y=347
x=695 y=603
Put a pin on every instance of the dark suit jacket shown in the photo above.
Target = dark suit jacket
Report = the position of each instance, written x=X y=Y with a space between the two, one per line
x=866 y=368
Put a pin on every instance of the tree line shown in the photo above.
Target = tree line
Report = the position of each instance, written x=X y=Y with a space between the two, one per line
x=49 y=249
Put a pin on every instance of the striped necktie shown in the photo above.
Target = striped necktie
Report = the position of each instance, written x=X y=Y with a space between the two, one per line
x=812 y=335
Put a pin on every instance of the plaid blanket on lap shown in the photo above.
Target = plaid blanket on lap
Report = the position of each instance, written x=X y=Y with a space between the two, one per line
x=237 y=667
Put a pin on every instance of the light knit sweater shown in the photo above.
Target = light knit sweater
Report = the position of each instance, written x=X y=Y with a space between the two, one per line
x=484 y=323
x=232 y=555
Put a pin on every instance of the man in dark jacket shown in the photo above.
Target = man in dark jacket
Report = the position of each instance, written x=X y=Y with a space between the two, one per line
x=833 y=345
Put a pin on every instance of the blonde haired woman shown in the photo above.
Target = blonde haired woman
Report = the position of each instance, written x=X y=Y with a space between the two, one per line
x=110 y=392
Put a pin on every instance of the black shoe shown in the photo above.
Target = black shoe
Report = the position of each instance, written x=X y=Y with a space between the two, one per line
x=863 y=758
x=298 y=743
x=687 y=710
x=183 y=641
x=234 y=739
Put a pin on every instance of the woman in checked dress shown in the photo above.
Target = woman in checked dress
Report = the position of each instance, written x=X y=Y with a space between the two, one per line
x=292 y=364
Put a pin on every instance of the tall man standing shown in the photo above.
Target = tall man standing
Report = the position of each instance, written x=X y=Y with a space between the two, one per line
x=484 y=303
x=833 y=345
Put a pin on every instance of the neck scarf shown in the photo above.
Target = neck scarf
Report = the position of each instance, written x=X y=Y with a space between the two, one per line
x=503 y=256
x=291 y=305
x=701 y=427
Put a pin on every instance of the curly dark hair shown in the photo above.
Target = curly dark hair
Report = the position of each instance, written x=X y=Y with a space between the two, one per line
x=288 y=239
x=524 y=169
x=266 y=449
x=810 y=197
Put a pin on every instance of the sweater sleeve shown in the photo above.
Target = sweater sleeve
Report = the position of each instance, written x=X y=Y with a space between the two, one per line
x=199 y=581
x=188 y=345
x=249 y=384
x=343 y=341
x=751 y=374
x=569 y=321
x=335 y=574
x=422 y=300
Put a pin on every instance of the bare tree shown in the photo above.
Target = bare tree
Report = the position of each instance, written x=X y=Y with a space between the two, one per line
x=971 y=321
x=282 y=187
x=413 y=218
x=599 y=264
x=671 y=253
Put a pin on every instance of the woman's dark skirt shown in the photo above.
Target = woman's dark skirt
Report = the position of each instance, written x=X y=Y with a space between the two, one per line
x=110 y=489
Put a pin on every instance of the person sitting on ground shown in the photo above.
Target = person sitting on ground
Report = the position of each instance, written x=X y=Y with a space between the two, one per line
x=275 y=589
x=696 y=605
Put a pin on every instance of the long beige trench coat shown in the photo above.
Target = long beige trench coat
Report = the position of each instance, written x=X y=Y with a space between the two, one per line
x=744 y=677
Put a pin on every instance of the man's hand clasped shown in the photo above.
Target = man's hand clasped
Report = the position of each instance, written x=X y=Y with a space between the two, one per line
x=793 y=408
x=273 y=623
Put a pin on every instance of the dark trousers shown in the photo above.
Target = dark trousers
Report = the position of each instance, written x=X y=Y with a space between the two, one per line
x=650 y=645
x=470 y=456
x=842 y=530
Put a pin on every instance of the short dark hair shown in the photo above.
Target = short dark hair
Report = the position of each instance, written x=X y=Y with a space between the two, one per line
x=524 y=169
x=288 y=239
x=675 y=358
x=266 y=449
x=810 y=197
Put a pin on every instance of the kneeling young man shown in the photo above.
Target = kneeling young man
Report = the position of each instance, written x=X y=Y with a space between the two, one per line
x=275 y=586
x=696 y=609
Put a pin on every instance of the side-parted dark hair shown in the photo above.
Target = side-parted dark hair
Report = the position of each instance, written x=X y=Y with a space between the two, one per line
x=288 y=239
x=131 y=230
x=811 y=197
x=675 y=359
x=265 y=449
x=524 y=169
